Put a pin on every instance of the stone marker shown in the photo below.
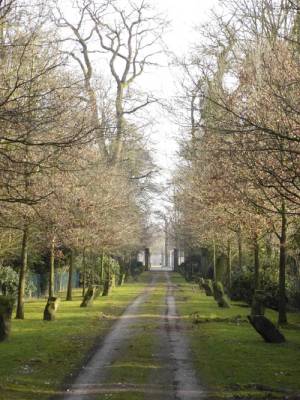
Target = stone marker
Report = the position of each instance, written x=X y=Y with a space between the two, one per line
x=207 y=286
x=220 y=296
x=201 y=283
x=51 y=308
x=91 y=294
x=266 y=329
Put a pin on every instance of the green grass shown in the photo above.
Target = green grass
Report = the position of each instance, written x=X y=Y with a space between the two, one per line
x=230 y=357
x=40 y=356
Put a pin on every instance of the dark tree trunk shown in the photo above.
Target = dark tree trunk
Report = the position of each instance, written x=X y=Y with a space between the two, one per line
x=51 y=272
x=147 y=259
x=84 y=273
x=258 y=303
x=240 y=249
x=282 y=317
x=107 y=286
x=69 y=291
x=102 y=268
x=6 y=309
x=229 y=265
x=256 y=263
x=257 y=306
x=22 y=275
x=166 y=244
x=175 y=259
x=122 y=275
x=214 y=261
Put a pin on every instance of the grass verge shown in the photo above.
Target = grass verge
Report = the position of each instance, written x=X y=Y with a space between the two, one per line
x=230 y=357
x=41 y=356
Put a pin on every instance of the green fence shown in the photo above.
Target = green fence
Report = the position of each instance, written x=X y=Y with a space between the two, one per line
x=38 y=284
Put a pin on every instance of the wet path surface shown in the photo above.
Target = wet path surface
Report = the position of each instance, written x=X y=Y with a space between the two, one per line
x=172 y=375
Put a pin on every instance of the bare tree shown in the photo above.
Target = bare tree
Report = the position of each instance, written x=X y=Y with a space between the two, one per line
x=130 y=40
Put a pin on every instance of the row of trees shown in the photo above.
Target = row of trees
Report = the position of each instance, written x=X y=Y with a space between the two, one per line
x=75 y=169
x=238 y=189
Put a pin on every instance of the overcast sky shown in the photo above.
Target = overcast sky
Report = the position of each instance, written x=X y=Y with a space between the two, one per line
x=183 y=15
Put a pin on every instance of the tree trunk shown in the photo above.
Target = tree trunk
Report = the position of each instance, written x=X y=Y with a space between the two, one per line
x=6 y=309
x=69 y=291
x=147 y=259
x=214 y=261
x=108 y=282
x=100 y=129
x=84 y=273
x=22 y=275
x=122 y=278
x=229 y=265
x=51 y=272
x=102 y=268
x=240 y=249
x=120 y=123
x=256 y=264
x=175 y=260
x=166 y=263
x=282 y=317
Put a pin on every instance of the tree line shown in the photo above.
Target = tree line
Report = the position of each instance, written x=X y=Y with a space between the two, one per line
x=75 y=164
x=237 y=188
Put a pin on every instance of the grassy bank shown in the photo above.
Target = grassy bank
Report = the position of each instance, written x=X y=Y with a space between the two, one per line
x=232 y=360
x=40 y=356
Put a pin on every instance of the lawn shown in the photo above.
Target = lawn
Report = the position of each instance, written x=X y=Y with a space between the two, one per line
x=232 y=360
x=41 y=357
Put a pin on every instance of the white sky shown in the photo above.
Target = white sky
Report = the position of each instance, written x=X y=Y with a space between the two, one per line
x=184 y=15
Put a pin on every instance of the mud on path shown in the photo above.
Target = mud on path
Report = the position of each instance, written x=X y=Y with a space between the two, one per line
x=166 y=358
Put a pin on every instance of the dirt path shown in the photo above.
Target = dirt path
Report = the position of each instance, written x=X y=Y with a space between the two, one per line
x=185 y=381
x=174 y=378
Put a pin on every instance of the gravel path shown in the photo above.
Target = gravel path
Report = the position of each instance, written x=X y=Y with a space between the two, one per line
x=175 y=379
